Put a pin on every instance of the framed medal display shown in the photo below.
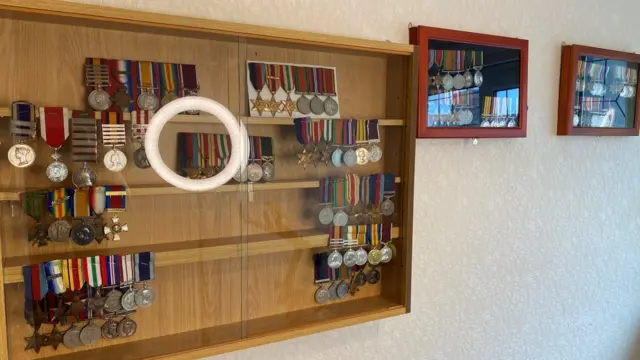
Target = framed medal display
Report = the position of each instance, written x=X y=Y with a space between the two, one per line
x=101 y=257
x=598 y=92
x=470 y=85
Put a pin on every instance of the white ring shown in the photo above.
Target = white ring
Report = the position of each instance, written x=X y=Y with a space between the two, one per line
x=237 y=132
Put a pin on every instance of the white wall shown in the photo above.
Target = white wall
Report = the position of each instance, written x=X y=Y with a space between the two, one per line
x=524 y=249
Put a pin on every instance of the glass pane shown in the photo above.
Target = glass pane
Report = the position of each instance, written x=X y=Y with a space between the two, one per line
x=605 y=93
x=473 y=85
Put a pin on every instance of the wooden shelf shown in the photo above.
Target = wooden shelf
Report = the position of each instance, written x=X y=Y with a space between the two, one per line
x=210 y=119
x=187 y=252
x=170 y=190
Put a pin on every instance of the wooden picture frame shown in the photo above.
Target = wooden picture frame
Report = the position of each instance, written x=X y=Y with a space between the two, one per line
x=567 y=91
x=420 y=35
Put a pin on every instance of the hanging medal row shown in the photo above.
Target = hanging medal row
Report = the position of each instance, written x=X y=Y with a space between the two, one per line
x=353 y=198
x=347 y=142
x=591 y=111
x=67 y=214
x=92 y=297
x=202 y=156
x=87 y=131
x=459 y=63
x=453 y=108
x=499 y=112
x=129 y=85
x=600 y=80
x=291 y=90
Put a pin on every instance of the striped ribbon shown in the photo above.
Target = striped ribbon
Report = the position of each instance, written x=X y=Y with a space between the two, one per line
x=59 y=202
x=92 y=271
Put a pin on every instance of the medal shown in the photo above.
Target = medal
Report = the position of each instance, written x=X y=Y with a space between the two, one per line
x=127 y=327
x=326 y=195
x=330 y=105
x=22 y=128
x=374 y=257
x=139 y=123
x=114 y=135
x=169 y=82
x=144 y=271
x=322 y=295
x=373 y=137
x=197 y=151
x=115 y=201
x=71 y=338
x=254 y=171
x=266 y=154
x=59 y=203
x=97 y=76
x=84 y=148
x=53 y=273
x=302 y=135
x=387 y=207
x=257 y=75
x=83 y=233
x=361 y=257
x=478 y=56
x=349 y=158
x=286 y=83
x=98 y=206
x=189 y=83
x=109 y=329
x=54 y=129
x=147 y=72
x=373 y=276
x=273 y=84
x=33 y=204
x=332 y=291
x=360 y=279
x=316 y=104
x=349 y=258
x=343 y=290
x=362 y=154
x=90 y=334
x=334 y=259
x=127 y=301
x=303 y=86
x=340 y=218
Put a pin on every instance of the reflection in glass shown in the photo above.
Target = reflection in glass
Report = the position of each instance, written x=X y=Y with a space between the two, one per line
x=605 y=93
x=472 y=85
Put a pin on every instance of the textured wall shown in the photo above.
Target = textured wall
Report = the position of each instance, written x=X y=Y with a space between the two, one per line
x=524 y=249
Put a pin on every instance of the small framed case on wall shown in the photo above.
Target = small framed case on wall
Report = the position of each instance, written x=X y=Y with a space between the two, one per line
x=470 y=85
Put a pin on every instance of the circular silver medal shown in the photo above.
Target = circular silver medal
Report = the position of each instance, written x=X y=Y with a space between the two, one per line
x=326 y=216
x=386 y=253
x=148 y=101
x=304 y=105
x=362 y=156
x=128 y=300
x=375 y=153
x=349 y=158
x=349 y=258
x=576 y=120
x=83 y=234
x=373 y=276
x=458 y=82
x=113 y=302
x=83 y=177
x=322 y=295
x=59 y=230
x=330 y=106
x=361 y=257
x=127 y=327
x=145 y=297
x=468 y=79
x=110 y=329
x=140 y=159
x=317 y=106
x=115 y=160
x=21 y=155
x=333 y=288
x=57 y=171
x=99 y=100
x=71 y=338
x=478 y=79
x=268 y=171
x=447 y=82
x=334 y=260
x=343 y=290
x=90 y=334
x=240 y=176
x=360 y=279
x=254 y=172
x=336 y=158
x=340 y=218
x=387 y=208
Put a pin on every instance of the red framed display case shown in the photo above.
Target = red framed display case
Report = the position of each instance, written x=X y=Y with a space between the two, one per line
x=460 y=106
x=598 y=92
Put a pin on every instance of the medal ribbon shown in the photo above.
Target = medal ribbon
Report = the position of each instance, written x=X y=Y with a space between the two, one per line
x=302 y=129
x=438 y=57
x=53 y=271
x=139 y=123
x=329 y=80
x=286 y=77
x=33 y=203
x=266 y=148
x=385 y=232
x=38 y=282
x=77 y=274
x=389 y=184
x=80 y=207
x=338 y=131
x=320 y=266
x=273 y=77
x=84 y=137
x=127 y=269
x=113 y=130
x=23 y=120
x=92 y=271
x=373 y=130
x=257 y=76
x=315 y=80
x=146 y=77
x=145 y=266
x=115 y=198
x=478 y=58
x=189 y=79
x=28 y=285
x=361 y=131
x=169 y=78
x=54 y=125
x=327 y=130
x=59 y=202
x=325 y=191
x=98 y=199
x=125 y=77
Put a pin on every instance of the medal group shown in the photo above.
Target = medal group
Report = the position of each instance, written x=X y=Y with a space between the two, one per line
x=118 y=90
x=292 y=90
x=362 y=200
x=92 y=297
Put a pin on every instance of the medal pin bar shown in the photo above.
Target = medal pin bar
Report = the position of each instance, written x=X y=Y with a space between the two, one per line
x=97 y=76
x=114 y=136
x=115 y=201
x=33 y=204
x=84 y=148
x=22 y=128
x=139 y=123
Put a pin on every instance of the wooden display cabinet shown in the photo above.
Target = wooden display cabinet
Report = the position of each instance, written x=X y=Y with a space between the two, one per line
x=234 y=266
x=598 y=92
x=470 y=85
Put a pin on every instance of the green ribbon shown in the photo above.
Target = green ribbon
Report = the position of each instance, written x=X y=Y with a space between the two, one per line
x=33 y=203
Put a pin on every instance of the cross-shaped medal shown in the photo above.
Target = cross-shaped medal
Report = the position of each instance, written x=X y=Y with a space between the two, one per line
x=116 y=228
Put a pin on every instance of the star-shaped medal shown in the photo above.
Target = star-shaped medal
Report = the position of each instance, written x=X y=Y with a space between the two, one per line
x=55 y=338
x=39 y=235
x=325 y=155
x=121 y=98
x=273 y=106
x=35 y=316
x=77 y=306
x=289 y=105
x=258 y=104
x=96 y=303
x=35 y=342
x=62 y=310
x=304 y=158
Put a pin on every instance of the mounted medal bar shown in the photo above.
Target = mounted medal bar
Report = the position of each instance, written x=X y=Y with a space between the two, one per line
x=292 y=90
x=130 y=85
x=78 y=302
